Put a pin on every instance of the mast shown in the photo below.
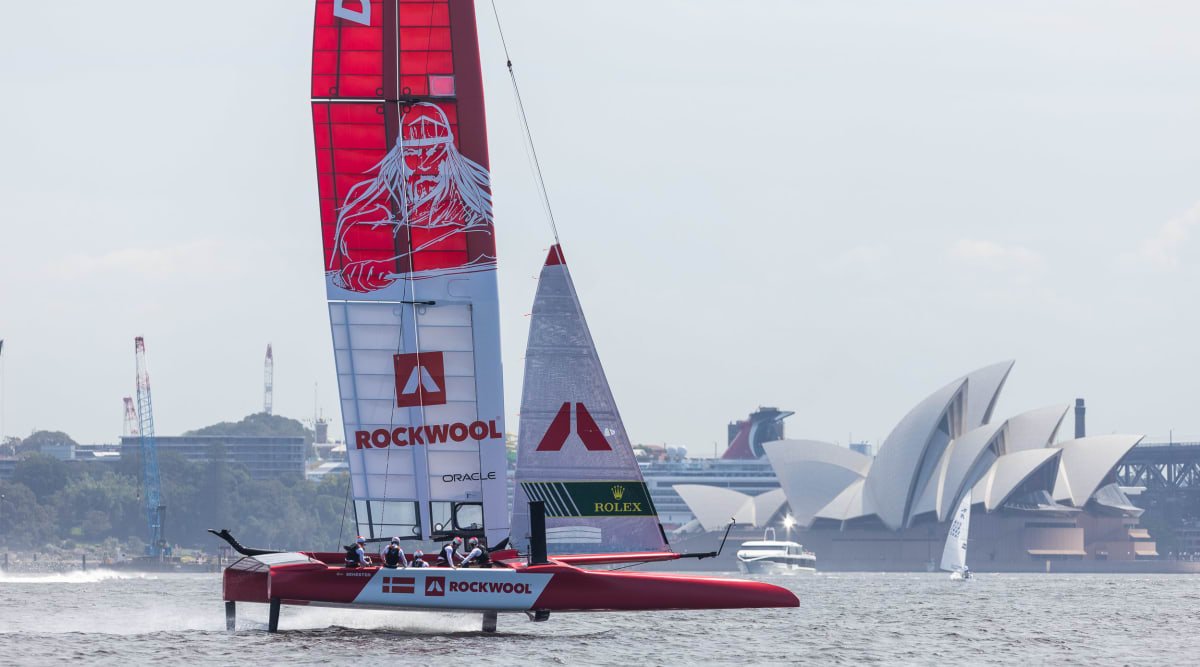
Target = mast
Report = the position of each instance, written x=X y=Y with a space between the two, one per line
x=410 y=259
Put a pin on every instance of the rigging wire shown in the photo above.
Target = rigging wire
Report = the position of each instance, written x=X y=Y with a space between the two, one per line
x=528 y=135
x=342 y=527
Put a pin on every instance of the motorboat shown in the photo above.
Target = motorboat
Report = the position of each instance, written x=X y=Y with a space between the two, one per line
x=772 y=556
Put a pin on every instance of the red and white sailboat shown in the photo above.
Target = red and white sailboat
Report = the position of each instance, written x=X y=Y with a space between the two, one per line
x=410 y=267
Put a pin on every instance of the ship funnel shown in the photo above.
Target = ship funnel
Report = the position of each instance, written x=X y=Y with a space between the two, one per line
x=1080 y=419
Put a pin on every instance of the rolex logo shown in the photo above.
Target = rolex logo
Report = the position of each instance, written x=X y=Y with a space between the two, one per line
x=618 y=492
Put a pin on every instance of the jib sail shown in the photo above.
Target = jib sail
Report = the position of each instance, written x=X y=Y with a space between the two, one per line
x=572 y=450
x=410 y=259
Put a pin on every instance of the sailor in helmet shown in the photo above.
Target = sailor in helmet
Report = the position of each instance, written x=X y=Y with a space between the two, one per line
x=393 y=555
x=478 y=554
x=451 y=554
x=355 y=555
x=419 y=559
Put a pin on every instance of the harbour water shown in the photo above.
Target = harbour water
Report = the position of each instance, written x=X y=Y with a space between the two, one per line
x=102 y=617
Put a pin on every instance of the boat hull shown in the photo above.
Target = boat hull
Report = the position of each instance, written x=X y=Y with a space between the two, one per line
x=507 y=586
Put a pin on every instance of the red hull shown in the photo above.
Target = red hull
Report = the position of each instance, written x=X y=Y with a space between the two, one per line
x=508 y=586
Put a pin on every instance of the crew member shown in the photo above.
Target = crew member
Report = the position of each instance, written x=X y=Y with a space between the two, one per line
x=393 y=555
x=478 y=554
x=419 y=559
x=355 y=555
x=451 y=554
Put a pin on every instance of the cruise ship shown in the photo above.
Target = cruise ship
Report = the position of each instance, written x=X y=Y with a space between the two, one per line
x=742 y=468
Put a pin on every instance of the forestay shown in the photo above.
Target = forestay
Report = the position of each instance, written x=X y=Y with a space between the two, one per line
x=406 y=219
x=572 y=450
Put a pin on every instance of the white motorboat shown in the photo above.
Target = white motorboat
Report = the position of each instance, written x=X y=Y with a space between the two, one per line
x=771 y=556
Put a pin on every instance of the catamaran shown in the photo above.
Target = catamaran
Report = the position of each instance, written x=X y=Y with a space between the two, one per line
x=954 y=555
x=410 y=269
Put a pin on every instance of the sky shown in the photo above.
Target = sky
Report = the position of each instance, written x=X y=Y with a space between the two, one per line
x=829 y=207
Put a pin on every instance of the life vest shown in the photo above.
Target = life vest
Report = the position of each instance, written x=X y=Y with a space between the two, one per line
x=480 y=558
x=391 y=556
x=352 y=559
x=417 y=562
x=446 y=555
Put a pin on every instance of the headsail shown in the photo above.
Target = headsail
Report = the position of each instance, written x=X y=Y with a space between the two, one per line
x=573 y=452
x=406 y=218
x=954 y=555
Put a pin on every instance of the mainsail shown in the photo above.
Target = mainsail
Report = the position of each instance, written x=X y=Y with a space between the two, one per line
x=406 y=219
x=954 y=555
x=572 y=450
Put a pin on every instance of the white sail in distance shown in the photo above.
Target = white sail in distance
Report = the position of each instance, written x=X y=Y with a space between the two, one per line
x=572 y=450
x=954 y=555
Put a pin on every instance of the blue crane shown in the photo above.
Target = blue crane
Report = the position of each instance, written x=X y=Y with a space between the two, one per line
x=151 y=488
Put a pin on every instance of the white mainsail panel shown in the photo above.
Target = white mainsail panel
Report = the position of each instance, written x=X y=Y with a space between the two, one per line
x=573 y=452
x=954 y=555
x=423 y=415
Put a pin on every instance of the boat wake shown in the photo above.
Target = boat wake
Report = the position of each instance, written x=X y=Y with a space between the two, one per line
x=73 y=577
x=325 y=622
x=414 y=622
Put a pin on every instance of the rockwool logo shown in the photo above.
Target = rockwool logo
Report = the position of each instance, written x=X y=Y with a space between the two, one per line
x=556 y=435
x=435 y=587
x=420 y=379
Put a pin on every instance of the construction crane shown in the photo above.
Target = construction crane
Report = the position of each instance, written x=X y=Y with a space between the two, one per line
x=131 y=418
x=151 y=489
x=268 y=381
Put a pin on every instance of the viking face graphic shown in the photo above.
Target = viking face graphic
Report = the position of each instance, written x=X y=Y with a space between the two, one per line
x=406 y=217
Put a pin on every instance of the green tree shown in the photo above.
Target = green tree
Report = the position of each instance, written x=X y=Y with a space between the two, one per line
x=261 y=424
x=99 y=503
x=24 y=522
x=43 y=475
x=9 y=446
x=38 y=438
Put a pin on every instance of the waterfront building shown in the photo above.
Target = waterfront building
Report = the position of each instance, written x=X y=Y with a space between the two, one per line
x=264 y=457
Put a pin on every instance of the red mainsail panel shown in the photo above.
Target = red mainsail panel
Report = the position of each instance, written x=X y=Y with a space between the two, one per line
x=401 y=144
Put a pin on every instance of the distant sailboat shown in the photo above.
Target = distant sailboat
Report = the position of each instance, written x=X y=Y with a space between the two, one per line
x=954 y=556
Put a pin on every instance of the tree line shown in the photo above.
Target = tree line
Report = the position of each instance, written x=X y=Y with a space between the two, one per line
x=68 y=504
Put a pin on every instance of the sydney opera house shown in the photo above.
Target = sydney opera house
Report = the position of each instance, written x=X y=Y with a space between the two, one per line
x=1037 y=503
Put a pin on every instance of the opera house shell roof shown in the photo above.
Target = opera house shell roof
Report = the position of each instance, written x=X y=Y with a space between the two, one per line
x=945 y=447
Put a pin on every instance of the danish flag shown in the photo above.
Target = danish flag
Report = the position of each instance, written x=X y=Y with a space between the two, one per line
x=398 y=584
x=420 y=379
x=556 y=435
